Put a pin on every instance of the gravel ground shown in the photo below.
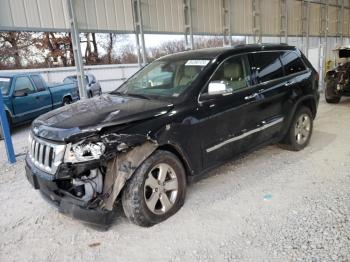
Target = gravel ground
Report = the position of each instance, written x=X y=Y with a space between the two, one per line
x=272 y=205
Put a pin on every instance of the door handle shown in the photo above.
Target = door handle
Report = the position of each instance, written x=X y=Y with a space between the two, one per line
x=37 y=97
x=251 y=96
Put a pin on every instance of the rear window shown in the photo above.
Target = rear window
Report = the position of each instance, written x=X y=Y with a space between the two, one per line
x=266 y=66
x=38 y=83
x=292 y=63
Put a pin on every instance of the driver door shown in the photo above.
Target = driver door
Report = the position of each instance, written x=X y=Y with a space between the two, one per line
x=25 y=99
x=227 y=117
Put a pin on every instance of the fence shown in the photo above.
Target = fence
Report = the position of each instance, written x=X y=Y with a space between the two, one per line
x=109 y=76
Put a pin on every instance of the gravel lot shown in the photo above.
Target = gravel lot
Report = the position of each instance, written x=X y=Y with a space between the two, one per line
x=273 y=205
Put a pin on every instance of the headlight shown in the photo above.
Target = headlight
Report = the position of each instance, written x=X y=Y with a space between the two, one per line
x=85 y=151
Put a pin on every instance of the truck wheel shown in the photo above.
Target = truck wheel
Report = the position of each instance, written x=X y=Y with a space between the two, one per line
x=333 y=100
x=10 y=126
x=156 y=191
x=300 y=130
x=67 y=101
x=330 y=96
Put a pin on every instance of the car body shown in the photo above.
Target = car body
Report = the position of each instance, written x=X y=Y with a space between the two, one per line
x=338 y=79
x=152 y=136
x=27 y=96
x=93 y=87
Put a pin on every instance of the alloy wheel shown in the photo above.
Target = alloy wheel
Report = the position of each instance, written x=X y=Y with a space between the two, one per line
x=302 y=129
x=161 y=189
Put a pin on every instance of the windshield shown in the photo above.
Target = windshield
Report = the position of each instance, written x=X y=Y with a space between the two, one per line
x=167 y=78
x=5 y=83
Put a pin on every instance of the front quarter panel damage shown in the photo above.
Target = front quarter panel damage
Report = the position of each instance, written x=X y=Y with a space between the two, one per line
x=121 y=168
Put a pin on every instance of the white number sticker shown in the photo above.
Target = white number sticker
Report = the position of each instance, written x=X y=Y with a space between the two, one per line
x=4 y=79
x=197 y=62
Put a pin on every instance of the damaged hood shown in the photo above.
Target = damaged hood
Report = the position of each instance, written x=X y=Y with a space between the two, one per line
x=91 y=115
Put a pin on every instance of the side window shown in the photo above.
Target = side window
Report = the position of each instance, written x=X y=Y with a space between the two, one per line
x=233 y=72
x=266 y=66
x=292 y=63
x=38 y=83
x=23 y=84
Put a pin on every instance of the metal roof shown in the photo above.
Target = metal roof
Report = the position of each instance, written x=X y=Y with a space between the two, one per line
x=167 y=16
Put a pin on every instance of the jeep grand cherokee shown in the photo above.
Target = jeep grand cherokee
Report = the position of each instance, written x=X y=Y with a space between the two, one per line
x=174 y=120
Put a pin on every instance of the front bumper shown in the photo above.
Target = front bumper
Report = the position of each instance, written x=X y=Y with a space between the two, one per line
x=66 y=203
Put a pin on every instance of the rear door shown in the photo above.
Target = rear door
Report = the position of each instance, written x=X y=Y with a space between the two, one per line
x=43 y=95
x=268 y=77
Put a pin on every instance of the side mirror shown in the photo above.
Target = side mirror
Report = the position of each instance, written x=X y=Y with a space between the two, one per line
x=20 y=93
x=218 y=88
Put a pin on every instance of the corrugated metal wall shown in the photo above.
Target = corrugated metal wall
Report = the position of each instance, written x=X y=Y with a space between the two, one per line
x=166 y=16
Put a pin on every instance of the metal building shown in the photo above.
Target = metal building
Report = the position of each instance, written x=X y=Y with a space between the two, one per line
x=304 y=23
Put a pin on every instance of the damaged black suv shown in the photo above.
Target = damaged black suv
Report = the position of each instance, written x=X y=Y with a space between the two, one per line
x=170 y=123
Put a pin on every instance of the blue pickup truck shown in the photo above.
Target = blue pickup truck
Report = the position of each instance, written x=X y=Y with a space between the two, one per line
x=27 y=96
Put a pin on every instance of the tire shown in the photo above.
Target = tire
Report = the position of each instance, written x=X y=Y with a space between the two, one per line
x=146 y=187
x=90 y=94
x=66 y=101
x=300 y=130
x=334 y=100
x=330 y=96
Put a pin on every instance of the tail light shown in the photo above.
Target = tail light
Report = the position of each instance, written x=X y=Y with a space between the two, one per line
x=317 y=76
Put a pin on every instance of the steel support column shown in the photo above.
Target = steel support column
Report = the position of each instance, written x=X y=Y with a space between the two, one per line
x=139 y=34
x=340 y=21
x=256 y=21
x=305 y=26
x=187 y=8
x=4 y=126
x=284 y=21
x=323 y=39
x=77 y=49
x=226 y=22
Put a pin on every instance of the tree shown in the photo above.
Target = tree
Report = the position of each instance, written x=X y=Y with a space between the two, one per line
x=166 y=48
x=15 y=48
x=58 y=45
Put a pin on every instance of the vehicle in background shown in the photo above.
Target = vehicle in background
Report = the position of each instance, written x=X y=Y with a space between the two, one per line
x=338 y=79
x=27 y=96
x=93 y=87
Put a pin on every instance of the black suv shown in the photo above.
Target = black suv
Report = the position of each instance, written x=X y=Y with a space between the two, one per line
x=170 y=123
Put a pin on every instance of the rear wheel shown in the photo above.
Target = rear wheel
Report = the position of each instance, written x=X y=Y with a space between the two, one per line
x=67 y=101
x=156 y=191
x=300 y=131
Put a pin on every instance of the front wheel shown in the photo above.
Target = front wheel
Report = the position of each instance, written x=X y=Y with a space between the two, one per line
x=9 y=124
x=330 y=95
x=156 y=191
x=300 y=131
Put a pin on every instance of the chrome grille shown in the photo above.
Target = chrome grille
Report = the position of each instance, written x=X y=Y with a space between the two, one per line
x=45 y=155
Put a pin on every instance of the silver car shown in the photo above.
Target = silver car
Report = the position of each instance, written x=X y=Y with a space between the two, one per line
x=93 y=87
